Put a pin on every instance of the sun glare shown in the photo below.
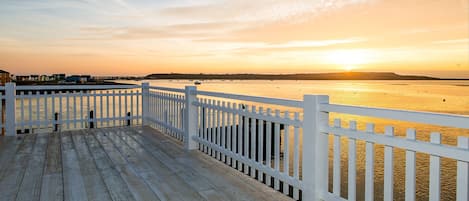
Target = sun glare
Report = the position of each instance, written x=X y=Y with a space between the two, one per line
x=348 y=59
x=349 y=68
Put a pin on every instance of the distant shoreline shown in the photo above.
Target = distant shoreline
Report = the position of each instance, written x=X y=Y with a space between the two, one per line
x=310 y=76
x=46 y=83
x=84 y=89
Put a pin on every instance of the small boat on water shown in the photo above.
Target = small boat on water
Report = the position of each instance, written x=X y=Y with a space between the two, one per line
x=197 y=82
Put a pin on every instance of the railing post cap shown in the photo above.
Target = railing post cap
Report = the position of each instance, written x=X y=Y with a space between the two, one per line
x=145 y=84
x=319 y=98
x=191 y=88
x=10 y=84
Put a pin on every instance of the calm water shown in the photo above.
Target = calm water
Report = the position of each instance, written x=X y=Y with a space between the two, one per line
x=433 y=96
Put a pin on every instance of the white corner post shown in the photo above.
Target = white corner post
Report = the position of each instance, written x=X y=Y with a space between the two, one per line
x=10 y=107
x=315 y=148
x=190 y=119
x=145 y=103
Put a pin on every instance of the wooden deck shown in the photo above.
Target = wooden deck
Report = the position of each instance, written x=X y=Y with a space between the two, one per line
x=122 y=163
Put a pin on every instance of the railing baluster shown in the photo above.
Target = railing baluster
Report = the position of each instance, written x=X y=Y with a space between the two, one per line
x=223 y=127
x=352 y=168
x=462 y=181
x=277 y=150
x=126 y=108
x=370 y=168
x=82 y=119
x=2 y=117
x=296 y=155
x=30 y=102
x=101 y=116
x=260 y=148
x=240 y=135
x=88 y=107
x=205 y=123
x=46 y=116
x=246 y=138
x=268 y=140
x=22 y=111
x=120 y=107
x=38 y=110
x=131 y=107
x=107 y=109
x=137 y=103
x=53 y=110
x=286 y=153
x=234 y=139
x=74 y=110
x=229 y=127
x=114 y=107
x=209 y=124
x=410 y=173
x=67 y=103
x=95 y=109
x=337 y=158
x=253 y=141
x=388 y=167
x=434 y=188
x=218 y=139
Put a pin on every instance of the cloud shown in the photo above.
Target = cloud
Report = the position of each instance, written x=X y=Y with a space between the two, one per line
x=259 y=10
x=453 y=41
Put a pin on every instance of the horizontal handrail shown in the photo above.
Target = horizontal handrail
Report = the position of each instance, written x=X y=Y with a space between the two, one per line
x=168 y=89
x=412 y=145
x=245 y=113
x=439 y=119
x=75 y=87
x=258 y=99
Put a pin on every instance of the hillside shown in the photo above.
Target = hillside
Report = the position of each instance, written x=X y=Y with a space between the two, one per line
x=308 y=76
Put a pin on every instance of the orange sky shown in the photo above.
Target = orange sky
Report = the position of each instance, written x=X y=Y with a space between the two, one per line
x=119 y=37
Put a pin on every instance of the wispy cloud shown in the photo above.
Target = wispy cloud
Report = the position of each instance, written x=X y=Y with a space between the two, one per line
x=453 y=41
x=259 y=10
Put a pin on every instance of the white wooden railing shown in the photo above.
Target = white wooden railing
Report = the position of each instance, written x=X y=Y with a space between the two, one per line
x=297 y=147
x=164 y=109
x=292 y=145
x=33 y=109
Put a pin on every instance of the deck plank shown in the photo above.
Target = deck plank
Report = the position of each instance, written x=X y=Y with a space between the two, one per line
x=116 y=186
x=227 y=181
x=94 y=184
x=30 y=188
x=12 y=175
x=217 y=182
x=125 y=162
x=74 y=187
x=52 y=180
x=154 y=172
x=8 y=147
x=119 y=163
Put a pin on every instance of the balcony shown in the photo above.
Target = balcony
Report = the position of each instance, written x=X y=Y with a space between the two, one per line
x=154 y=143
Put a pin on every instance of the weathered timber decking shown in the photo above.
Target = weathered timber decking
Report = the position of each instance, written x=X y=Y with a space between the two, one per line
x=121 y=163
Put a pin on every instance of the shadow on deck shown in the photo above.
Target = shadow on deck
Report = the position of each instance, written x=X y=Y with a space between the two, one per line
x=121 y=163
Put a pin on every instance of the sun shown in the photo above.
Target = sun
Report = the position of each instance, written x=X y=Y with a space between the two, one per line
x=348 y=60
x=349 y=68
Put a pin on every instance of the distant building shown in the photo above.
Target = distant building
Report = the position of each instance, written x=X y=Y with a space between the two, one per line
x=4 y=77
x=34 y=77
x=85 y=78
x=78 y=79
x=22 y=78
x=58 y=77
x=43 y=78
x=73 y=78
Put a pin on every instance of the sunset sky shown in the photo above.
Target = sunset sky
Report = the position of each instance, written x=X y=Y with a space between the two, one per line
x=139 y=37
